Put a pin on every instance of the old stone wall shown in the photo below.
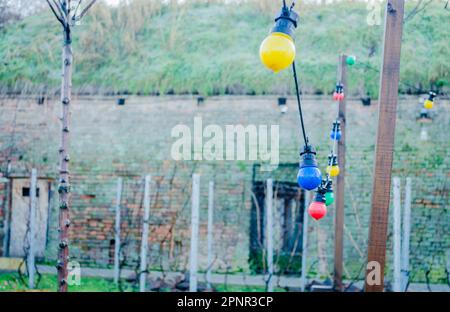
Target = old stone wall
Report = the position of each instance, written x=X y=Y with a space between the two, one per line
x=130 y=141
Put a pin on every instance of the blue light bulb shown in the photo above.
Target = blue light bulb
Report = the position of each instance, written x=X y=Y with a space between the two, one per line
x=309 y=176
x=335 y=135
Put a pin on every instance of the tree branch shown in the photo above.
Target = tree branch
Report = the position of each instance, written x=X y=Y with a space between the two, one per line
x=417 y=9
x=58 y=17
x=83 y=13
x=58 y=5
x=76 y=9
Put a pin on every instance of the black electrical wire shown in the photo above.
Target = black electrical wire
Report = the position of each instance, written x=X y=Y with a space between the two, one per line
x=293 y=4
x=297 y=89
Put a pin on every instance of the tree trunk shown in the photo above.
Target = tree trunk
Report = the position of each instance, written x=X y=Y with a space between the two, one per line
x=64 y=186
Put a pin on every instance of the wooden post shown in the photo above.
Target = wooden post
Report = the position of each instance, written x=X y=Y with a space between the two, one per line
x=304 y=240
x=210 y=233
x=117 y=232
x=194 y=232
x=64 y=183
x=144 y=240
x=397 y=233
x=387 y=111
x=340 y=182
x=269 y=234
x=32 y=229
x=406 y=235
x=7 y=216
x=66 y=16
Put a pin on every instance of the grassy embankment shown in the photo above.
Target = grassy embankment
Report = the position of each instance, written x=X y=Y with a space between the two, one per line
x=149 y=48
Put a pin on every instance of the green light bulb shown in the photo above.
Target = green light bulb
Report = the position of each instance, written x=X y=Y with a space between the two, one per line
x=329 y=198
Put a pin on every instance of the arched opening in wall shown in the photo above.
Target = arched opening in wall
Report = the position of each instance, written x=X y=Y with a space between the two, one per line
x=288 y=209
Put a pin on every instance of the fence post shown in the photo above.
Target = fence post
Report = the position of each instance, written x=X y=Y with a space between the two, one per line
x=210 y=233
x=340 y=183
x=304 y=240
x=397 y=233
x=194 y=232
x=117 y=232
x=406 y=235
x=269 y=233
x=144 y=241
x=32 y=229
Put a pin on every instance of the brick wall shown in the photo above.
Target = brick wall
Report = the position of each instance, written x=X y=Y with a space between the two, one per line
x=132 y=140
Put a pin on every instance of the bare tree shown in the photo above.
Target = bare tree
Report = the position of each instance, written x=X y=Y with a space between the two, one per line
x=67 y=12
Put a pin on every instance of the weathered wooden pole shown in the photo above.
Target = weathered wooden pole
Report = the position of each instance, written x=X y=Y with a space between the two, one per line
x=387 y=111
x=340 y=182
x=194 y=232
x=67 y=16
x=397 y=233
x=32 y=229
x=64 y=183
x=269 y=234
x=304 y=274
x=144 y=239
x=117 y=232
x=210 y=233
x=406 y=235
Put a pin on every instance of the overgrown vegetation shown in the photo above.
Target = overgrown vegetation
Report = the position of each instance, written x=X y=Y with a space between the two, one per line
x=209 y=47
x=12 y=282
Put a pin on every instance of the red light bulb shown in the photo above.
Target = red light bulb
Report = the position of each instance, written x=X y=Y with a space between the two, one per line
x=317 y=210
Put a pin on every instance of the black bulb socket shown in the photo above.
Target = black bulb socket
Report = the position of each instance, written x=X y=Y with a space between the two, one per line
x=320 y=195
x=339 y=88
x=332 y=159
x=286 y=22
x=308 y=157
x=329 y=186
x=432 y=95
x=337 y=126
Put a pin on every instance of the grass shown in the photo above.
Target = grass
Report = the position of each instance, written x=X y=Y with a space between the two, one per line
x=212 y=48
x=12 y=282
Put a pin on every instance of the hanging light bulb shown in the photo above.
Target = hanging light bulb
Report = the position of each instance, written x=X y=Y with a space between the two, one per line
x=282 y=104
x=338 y=94
x=309 y=176
x=277 y=51
x=429 y=103
x=318 y=209
x=351 y=60
x=336 y=133
x=333 y=169
x=329 y=195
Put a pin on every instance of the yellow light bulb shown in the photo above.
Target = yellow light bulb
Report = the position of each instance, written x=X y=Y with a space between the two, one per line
x=333 y=171
x=277 y=51
x=428 y=104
